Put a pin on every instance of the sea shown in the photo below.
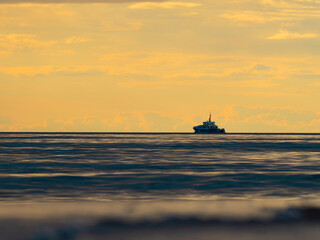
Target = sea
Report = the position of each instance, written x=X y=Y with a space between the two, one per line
x=159 y=186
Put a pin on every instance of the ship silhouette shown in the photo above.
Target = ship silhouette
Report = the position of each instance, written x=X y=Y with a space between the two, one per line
x=208 y=127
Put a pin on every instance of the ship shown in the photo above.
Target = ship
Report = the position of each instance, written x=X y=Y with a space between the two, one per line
x=209 y=127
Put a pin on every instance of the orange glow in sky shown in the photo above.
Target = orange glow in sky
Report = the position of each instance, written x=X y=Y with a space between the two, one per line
x=162 y=66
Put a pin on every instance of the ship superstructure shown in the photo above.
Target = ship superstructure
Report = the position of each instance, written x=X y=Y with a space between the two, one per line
x=208 y=127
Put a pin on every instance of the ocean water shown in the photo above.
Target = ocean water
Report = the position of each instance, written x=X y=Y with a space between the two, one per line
x=159 y=186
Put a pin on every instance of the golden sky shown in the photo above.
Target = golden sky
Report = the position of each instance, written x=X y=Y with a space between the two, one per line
x=108 y=65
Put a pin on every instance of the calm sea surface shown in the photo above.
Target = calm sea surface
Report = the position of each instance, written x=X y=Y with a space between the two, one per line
x=180 y=172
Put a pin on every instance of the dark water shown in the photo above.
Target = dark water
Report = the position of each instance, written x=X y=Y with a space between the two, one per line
x=188 y=174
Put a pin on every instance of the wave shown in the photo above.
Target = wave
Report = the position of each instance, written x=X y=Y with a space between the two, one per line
x=288 y=219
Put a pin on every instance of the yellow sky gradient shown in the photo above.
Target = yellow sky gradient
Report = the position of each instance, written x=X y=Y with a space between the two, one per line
x=159 y=66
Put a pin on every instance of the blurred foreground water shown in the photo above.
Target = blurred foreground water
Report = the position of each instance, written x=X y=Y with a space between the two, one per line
x=159 y=186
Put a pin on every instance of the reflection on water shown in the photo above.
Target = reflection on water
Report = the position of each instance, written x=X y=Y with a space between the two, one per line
x=153 y=166
x=158 y=175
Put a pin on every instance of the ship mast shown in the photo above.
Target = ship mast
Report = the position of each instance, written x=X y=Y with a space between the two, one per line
x=210 y=117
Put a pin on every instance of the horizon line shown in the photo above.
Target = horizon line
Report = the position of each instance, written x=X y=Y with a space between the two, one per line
x=228 y=133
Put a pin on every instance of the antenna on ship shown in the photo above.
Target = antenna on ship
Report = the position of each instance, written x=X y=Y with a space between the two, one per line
x=210 y=117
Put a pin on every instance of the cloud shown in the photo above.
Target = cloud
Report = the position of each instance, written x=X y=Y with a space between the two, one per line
x=256 y=17
x=189 y=14
x=225 y=84
x=122 y=122
x=69 y=1
x=234 y=118
x=174 y=65
x=267 y=94
x=315 y=84
x=31 y=71
x=271 y=119
x=165 y=5
x=75 y=39
x=13 y=42
x=271 y=15
x=282 y=34
x=291 y=3
x=171 y=68
x=266 y=11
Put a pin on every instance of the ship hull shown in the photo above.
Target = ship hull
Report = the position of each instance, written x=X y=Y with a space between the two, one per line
x=209 y=131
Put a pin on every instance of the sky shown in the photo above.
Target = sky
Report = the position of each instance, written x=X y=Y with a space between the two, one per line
x=159 y=66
